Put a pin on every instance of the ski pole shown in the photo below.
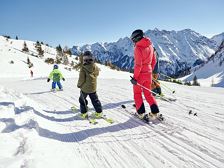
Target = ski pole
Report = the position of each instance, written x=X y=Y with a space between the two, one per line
x=167 y=76
x=162 y=97
x=159 y=95
x=151 y=91
x=154 y=80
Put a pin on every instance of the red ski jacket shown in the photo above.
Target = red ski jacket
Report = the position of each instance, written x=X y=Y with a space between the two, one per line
x=145 y=58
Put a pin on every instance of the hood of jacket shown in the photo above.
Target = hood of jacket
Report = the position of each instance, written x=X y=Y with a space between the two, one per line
x=90 y=68
x=144 y=42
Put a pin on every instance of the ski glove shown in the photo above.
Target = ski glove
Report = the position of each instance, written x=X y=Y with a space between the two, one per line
x=48 y=79
x=63 y=79
x=133 y=81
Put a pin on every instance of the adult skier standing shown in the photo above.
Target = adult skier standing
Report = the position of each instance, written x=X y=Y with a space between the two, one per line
x=56 y=75
x=144 y=63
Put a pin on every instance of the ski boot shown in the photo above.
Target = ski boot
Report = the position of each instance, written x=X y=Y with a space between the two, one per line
x=98 y=115
x=153 y=116
x=156 y=116
x=143 y=117
x=53 y=90
x=84 y=115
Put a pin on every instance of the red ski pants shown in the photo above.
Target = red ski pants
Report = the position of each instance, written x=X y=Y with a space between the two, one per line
x=146 y=81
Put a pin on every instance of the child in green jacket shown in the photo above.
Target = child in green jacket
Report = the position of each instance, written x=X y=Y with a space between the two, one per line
x=56 y=75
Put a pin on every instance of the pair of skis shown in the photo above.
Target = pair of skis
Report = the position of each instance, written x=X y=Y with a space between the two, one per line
x=92 y=119
x=146 y=119
x=56 y=90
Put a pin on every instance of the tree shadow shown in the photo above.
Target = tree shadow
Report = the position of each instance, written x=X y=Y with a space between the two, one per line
x=51 y=118
x=36 y=93
x=115 y=105
x=22 y=109
x=7 y=103
x=61 y=112
x=79 y=136
x=17 y=110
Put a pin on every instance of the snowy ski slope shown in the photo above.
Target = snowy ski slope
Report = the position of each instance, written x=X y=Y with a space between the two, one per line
x=38 y=129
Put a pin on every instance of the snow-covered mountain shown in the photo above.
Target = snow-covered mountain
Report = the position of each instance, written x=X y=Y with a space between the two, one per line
x=211 y=73
x=38 y=128
x=178 y=50
x=10 y=50
x=218 y=38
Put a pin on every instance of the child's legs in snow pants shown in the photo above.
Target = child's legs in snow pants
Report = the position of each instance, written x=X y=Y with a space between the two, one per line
x=94 y=99
x=56 y=83
x=96 y=102
x=59 y=85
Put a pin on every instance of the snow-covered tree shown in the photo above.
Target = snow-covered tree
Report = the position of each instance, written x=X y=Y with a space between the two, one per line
x=25 y=48
x=66 y=50
x=39 y=49
x=59 y=54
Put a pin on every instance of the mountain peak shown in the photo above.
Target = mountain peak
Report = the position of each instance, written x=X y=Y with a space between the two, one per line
x=178 y=50
x=219 y=38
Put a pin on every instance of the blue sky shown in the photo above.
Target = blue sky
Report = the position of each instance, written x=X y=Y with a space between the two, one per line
x=76 y=22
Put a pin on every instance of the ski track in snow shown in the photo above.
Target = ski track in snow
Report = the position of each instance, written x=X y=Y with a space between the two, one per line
x=182 y=140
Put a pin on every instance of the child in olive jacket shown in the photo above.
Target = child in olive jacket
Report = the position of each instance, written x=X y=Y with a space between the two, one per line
x=88 y=83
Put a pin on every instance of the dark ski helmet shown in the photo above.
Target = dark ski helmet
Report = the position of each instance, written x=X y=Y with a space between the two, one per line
x=137 y=35
x=55 y=66
x=87 y=53
x=87 y=57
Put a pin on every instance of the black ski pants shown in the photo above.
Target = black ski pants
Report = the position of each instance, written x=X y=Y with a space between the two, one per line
x=84 y=103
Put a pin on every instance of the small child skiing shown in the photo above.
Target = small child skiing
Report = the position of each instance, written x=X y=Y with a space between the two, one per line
x=56 y=75
x=155 y=75
x=88 y=84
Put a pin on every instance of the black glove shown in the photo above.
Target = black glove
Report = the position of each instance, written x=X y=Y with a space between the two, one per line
x=133 y=81
x=63 y=79
x=48 y=79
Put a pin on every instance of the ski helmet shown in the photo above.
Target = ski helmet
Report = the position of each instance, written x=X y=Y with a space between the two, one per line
x=87 y=53
x=137 y=35
x=87 y=57
x=55 y=66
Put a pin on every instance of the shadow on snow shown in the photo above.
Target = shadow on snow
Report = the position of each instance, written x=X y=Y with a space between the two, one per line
x=66 y=137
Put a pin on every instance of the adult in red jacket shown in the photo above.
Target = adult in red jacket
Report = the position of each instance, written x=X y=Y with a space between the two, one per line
x=144 y=63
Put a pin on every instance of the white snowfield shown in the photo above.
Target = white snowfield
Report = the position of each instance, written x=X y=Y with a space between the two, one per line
x=212 y=73
x=38 y=129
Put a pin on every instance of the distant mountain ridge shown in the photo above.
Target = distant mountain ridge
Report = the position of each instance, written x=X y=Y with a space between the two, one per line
x=218 y=38
x=178 y=50
x=212 y=72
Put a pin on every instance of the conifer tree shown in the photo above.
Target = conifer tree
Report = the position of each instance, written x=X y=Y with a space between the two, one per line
x=25 y=48
x=39 y=49
x=195 y=81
